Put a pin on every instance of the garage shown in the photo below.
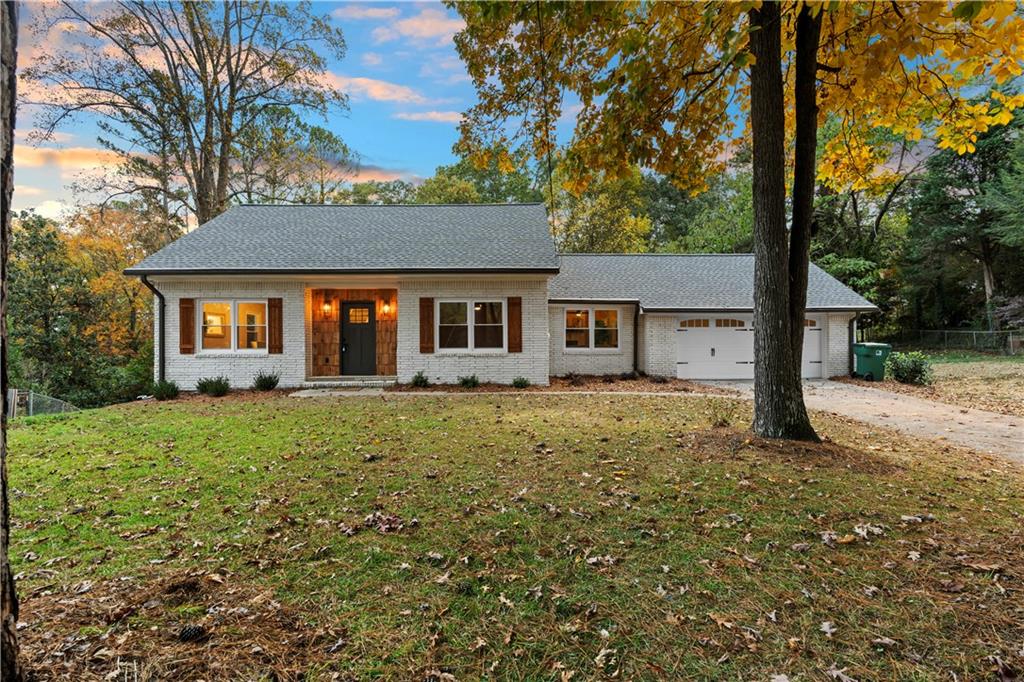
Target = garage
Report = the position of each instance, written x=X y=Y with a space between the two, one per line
x=722 y=347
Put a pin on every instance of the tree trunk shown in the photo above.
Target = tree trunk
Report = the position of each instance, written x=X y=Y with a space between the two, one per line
x=989 y=280
x=808 y=30
x=779 y=410
x=10 y=668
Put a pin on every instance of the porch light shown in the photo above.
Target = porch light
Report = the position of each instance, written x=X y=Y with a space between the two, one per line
x=386 y=308
x=327 y=307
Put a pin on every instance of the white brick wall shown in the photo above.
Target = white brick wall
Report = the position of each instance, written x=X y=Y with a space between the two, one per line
x=658 y=344
x=499 y=367
x=838 y=344
x=239 y=368
x=591 y=361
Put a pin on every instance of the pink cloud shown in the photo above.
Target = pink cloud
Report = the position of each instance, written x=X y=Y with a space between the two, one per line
x=371 y=88
x=429 y=25
x=380 y=174
x=371 y=59
x=357 y=12
x=434 y=116
x=69 y=161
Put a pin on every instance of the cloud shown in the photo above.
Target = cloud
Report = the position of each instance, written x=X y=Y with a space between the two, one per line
x=51 y=209
x=371 y=59
x=357 y=12
x=67 y=160
x=371 y=88
x=26 y=191
x=369 y=172
x=435 y=116
x=447 y=70
x=30 y=134
x=429 y=25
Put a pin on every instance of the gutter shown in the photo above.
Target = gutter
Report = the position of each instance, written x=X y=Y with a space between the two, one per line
x=636 y=340
x=851 y=327
x=162 y=356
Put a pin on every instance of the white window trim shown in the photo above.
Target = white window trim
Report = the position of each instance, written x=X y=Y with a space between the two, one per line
x=590 y=349
x=470 y=340
x=234 y=350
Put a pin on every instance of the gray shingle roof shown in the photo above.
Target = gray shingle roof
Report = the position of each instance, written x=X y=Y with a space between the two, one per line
x=362 y=238
x=684 y=282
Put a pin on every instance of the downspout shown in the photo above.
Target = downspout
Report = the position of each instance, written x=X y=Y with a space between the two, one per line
x=636 y=340
x=163 y=327
x=852 y=335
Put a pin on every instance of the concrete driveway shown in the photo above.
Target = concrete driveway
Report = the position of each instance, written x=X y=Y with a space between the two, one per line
x=998 y=434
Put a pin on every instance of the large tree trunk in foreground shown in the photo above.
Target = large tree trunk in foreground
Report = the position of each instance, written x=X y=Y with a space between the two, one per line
x=779 y=410
x=10 y=668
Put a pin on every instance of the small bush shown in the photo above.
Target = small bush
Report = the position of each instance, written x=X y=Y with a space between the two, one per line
x=609 y=378
x=910 y=368
x=629 y=376
x=165 y=390
x=469 y=382
x=265 y=381
x=575 y=379
x=420 y=380
x=658 y=379
x=520 y=382
x=213 y=386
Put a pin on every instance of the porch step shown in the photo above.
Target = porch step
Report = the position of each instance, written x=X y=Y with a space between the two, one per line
x=350 y=382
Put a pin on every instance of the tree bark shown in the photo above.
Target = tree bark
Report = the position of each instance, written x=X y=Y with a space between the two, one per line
x=10 y=667
x=779 y=410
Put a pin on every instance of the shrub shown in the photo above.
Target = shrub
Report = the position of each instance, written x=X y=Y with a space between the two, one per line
x=469 y=382
x=420 y=380
x=265 y=381
x=608 y=378
x=215 y=386
x=575 y=379
x=165 y=390
x=630 y=376
x=658 y=379
x=520 y=382
x=910 y=368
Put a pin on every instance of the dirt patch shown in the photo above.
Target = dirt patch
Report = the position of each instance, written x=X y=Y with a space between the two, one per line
x=743 y=445
x=185 y=626
x=582 y=383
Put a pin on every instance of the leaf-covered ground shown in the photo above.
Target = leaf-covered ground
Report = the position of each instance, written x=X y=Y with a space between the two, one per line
x=506 y=537
x=984 y=382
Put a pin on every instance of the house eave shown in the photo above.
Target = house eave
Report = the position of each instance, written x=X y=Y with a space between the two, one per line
x=299 y=272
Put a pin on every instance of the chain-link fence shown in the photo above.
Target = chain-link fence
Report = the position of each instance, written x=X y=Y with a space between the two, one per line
x=1007 y=342
x=29 y=403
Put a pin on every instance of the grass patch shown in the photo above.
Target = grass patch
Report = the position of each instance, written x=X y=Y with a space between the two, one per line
x=507 y=537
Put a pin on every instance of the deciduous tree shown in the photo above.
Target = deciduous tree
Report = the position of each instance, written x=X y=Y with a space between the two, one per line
x=176 y=84
x=659 y=84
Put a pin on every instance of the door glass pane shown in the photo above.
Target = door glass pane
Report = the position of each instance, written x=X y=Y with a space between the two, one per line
x=359 y=315
x=216 y=323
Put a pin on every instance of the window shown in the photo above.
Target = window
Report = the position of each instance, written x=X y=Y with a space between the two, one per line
x=592 y=328
x=359 y=315
x=725 y=322
x=693 y=324
x=471 y=325
x=233 y=325
x=810 y=323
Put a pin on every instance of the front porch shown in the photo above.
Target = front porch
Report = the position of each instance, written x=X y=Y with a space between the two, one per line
x=352 y=337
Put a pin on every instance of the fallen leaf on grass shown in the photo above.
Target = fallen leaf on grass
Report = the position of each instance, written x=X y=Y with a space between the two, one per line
x=828 y=627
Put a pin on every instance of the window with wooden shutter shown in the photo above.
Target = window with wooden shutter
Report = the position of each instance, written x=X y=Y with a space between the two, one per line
x=426 y=325
x=187 y=326
x=515 y=324
x=275 y=333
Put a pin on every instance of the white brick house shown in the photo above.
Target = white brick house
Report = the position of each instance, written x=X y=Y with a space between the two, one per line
x=322 y=294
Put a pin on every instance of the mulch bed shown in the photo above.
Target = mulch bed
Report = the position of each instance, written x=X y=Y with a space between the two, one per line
x=186 y=626
x=581 y=383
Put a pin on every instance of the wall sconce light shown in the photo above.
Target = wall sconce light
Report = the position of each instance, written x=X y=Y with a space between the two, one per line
x=386 y=308
x=327 y=307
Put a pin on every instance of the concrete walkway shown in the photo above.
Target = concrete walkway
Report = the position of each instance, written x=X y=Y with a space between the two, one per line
x=989 y=432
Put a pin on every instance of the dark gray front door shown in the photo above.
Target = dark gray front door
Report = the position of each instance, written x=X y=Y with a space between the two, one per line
x=358 y=339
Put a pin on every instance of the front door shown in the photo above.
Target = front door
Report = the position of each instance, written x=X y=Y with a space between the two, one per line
x=358 y=339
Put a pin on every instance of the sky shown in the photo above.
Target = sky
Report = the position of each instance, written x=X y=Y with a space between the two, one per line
x=405 y=81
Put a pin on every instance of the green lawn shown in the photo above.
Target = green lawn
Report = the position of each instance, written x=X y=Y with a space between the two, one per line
x=535 y=537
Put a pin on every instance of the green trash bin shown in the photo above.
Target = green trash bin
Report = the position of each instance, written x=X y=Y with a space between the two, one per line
x=869 y=360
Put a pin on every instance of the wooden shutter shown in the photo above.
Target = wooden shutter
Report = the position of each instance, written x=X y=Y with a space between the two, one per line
x=426 y=325
x=187 y=326
x=275 y=326
x=515 y=324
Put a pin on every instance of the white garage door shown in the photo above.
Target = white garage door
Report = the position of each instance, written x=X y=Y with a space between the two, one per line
x=722 y=347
